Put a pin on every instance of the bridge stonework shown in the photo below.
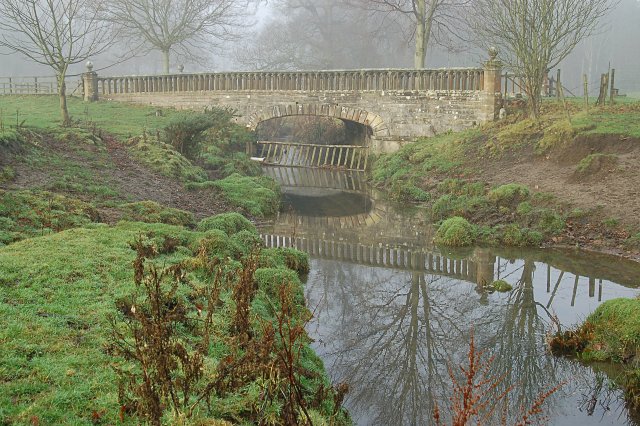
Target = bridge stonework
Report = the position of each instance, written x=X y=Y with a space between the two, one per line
x=397 y=105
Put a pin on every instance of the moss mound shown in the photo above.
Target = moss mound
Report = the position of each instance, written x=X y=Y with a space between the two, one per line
x=25 y=214
x=258 y=196
x=456 y=231
x=230 y=223
x=509 y=195
x=152 y=212
x=501 y=286
x=164 y=159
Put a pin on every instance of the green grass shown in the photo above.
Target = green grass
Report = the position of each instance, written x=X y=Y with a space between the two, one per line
x=57 y=292
x=619 y=119
x=121 y=119
x=25 y=214
x=258 y=196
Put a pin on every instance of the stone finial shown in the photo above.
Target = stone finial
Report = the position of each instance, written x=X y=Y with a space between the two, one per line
x=89 y=66
x=493 y=53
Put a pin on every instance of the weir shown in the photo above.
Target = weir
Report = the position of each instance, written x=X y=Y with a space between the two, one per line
x=345 y=157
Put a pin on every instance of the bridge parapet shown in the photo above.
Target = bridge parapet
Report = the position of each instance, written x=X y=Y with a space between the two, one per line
x=445 y=80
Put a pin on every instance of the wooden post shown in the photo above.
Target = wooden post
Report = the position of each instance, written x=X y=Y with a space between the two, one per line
x=586 y=92
x=506 y=83
x=611 y=93
x=564 y=103
x=10 y=87
x=558 y=85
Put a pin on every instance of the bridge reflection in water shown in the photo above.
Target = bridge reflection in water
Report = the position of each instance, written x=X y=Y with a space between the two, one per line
x=393 y=313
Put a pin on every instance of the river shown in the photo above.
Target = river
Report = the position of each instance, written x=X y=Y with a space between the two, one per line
x=394 y=315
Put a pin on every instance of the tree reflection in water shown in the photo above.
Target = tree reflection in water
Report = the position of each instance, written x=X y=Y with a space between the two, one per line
x=393 y=334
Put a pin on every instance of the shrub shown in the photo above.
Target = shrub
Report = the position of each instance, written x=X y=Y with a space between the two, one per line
x=185 y=132
x=456 y=231
x=230 y=223
x=152 y=212
x=509 y=195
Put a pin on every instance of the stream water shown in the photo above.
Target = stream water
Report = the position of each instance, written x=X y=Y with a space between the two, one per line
x=393 y=315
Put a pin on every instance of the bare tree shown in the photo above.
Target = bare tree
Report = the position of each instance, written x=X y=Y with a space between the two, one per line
x=424 y=21
x=533 y=36
x=319 y=34
x=56 y=33
x=185 y=27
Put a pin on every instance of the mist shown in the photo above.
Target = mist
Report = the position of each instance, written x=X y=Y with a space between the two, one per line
x=352 y=39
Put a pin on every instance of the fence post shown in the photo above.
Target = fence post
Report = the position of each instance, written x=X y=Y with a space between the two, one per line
x=611 y=93
x=492 y=101
x=90 y=82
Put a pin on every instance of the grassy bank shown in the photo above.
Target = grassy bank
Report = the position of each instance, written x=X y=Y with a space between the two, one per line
x=461 y=181
x=130 y=185
x=52 y=177
x=611 y=333
x=60 y=290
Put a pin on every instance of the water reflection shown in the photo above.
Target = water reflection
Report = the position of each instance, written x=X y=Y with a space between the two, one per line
x=393 y=314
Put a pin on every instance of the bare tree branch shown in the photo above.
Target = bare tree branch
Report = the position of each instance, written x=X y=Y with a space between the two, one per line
x=533 y=36
x=186 y=28
x=55 y=33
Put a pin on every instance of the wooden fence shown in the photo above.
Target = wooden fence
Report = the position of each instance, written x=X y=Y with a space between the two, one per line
x=38 y=86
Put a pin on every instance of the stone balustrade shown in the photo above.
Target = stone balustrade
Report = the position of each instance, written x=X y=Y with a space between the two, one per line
x=453 y=79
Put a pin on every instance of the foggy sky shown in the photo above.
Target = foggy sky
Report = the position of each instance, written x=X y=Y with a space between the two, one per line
x=617 y=46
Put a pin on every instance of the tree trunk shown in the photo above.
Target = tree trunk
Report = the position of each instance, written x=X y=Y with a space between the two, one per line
x=62 y=93
x=165 y=61
x=421 y=35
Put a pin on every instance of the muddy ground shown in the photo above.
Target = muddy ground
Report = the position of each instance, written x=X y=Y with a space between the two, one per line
x=611 y=186
x=110 y=164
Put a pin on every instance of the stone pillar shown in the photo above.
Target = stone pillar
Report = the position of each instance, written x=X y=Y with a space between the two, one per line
x=90 y=82
x=492 y=93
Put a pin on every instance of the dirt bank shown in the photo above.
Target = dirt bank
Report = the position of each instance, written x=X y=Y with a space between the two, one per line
x=607 y=184
x=102 y=172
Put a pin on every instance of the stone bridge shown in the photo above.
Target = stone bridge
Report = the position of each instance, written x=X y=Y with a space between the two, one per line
x=396 y=105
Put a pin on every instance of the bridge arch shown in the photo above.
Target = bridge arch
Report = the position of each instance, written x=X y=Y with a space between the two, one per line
x=366 y=118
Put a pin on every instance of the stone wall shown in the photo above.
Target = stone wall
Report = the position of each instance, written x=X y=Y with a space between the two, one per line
x=393 y=116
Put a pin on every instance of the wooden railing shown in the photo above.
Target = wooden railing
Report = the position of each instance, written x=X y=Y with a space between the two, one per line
x=455 y=79
x=345 y=157
x=37 y=86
